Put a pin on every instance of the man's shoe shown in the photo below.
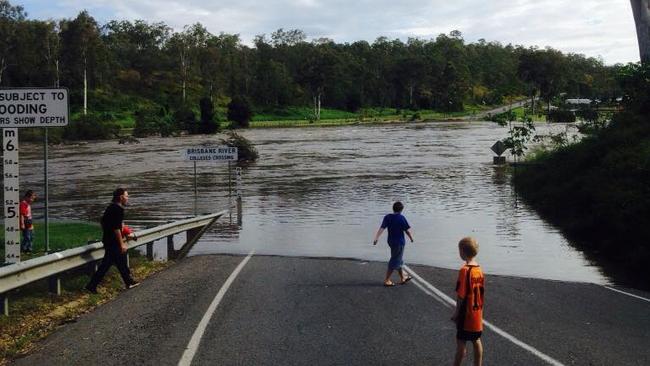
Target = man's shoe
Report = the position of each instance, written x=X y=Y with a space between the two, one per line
x=132 y=285
x=91 y=290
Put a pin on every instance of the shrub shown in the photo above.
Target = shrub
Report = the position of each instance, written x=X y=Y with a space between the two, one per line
x=588 y=115
x=185 y=119
x=239 y=111
x=560 y=115
x=149 y=121
x=90 y=127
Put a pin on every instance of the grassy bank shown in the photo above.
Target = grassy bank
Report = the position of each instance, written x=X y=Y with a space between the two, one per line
x=63 y=235
x=34 y=313
x=300 y=116
x=598 y=192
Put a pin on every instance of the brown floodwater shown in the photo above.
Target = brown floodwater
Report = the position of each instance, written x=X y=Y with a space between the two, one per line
x=323 y=191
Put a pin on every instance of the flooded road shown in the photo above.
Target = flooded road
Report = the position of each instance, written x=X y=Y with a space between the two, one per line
x=323 y=192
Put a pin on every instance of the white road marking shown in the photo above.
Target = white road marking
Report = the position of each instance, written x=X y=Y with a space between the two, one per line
x=627 y=293
x=448 y=301
x=193 y=346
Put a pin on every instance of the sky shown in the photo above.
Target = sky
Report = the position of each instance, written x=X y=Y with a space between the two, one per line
x=595 y=28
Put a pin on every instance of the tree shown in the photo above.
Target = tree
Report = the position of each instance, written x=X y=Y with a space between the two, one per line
x=272 y=83
x=136 y=51
x=239 y=111
x=187 y=45
x=641 y=11
x=53 y=51
x=208 y=123
x=318 y=67
x=31 y=58
x=81 y=51
x=9 y=17
x=287 y=38
x=545 y=71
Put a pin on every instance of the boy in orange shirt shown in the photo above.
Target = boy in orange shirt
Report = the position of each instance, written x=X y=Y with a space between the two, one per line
x=469 y=303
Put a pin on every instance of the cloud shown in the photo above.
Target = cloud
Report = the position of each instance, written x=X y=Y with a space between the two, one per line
x=594 y=28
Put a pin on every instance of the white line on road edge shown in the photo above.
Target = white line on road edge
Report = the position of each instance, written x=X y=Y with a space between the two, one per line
x=193 y=346
x=446 y=300
x=627 y=293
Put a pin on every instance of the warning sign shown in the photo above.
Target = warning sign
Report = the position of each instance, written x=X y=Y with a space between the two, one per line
x=210 y=153
x=33 y=108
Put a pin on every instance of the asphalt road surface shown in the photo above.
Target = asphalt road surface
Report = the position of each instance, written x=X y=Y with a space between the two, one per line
x=228 y=310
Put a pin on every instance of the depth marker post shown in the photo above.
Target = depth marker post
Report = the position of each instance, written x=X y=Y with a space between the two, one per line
x=23 y=108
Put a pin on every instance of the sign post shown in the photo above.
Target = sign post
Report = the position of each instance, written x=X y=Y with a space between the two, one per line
x=499 y=148
x=22 y=108
x=209 y=154
x=11 y=194
x=238 y=193
x=46 y=197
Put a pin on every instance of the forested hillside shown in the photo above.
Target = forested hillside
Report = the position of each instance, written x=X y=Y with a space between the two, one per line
x=148 y=71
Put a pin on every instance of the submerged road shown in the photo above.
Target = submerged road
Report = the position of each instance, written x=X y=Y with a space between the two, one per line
x=232 y=310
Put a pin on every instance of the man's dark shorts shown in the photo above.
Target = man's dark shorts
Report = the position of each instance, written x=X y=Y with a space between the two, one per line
x=464 y=335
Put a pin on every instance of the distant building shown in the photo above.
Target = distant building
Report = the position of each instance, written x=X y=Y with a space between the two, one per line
x=578 y=101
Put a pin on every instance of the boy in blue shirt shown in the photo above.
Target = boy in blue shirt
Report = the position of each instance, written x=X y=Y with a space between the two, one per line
x=397 y=226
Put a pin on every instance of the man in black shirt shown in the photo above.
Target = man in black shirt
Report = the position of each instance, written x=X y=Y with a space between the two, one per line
x=114 y=245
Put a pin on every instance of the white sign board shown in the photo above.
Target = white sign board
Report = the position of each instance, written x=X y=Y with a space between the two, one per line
x=33 y=108
x=11 y=194
x=210 y=153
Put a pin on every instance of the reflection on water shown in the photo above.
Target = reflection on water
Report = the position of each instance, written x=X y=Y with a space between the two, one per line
x=323 y=192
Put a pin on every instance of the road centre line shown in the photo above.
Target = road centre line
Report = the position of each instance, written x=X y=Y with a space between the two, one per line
x=448 y=301
x=627 y=293
x=193 y=346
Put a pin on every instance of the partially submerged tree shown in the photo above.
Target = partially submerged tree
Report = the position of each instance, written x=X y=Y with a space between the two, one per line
x=246 y=152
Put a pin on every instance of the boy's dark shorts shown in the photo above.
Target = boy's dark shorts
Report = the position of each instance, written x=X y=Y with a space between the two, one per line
x=464 y=335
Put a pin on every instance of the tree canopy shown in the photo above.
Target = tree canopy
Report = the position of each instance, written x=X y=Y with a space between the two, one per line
x=162 y=68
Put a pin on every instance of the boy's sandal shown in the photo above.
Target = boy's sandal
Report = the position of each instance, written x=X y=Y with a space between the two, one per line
x=406 y=280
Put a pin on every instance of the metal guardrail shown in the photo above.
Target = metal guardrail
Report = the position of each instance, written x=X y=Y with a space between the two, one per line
x=51 y=265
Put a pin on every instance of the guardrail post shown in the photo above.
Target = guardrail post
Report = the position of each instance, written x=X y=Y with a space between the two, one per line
x=150 y=251
x=171 y=253
x=4 y=304
x=191 y=233
x=91 y=268
x=54 y=284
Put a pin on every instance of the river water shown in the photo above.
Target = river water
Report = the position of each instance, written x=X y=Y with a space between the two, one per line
x=323 y=192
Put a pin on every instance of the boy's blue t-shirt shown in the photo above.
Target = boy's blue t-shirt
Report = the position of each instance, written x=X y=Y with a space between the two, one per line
x=397 y=225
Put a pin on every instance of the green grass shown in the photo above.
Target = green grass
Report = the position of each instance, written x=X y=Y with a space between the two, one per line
x=300 y=113
x=303 y=116
x=63 y=235
x=520 y=112
x=300 y=116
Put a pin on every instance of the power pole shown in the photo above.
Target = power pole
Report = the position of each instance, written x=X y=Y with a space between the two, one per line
x=641 y=11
